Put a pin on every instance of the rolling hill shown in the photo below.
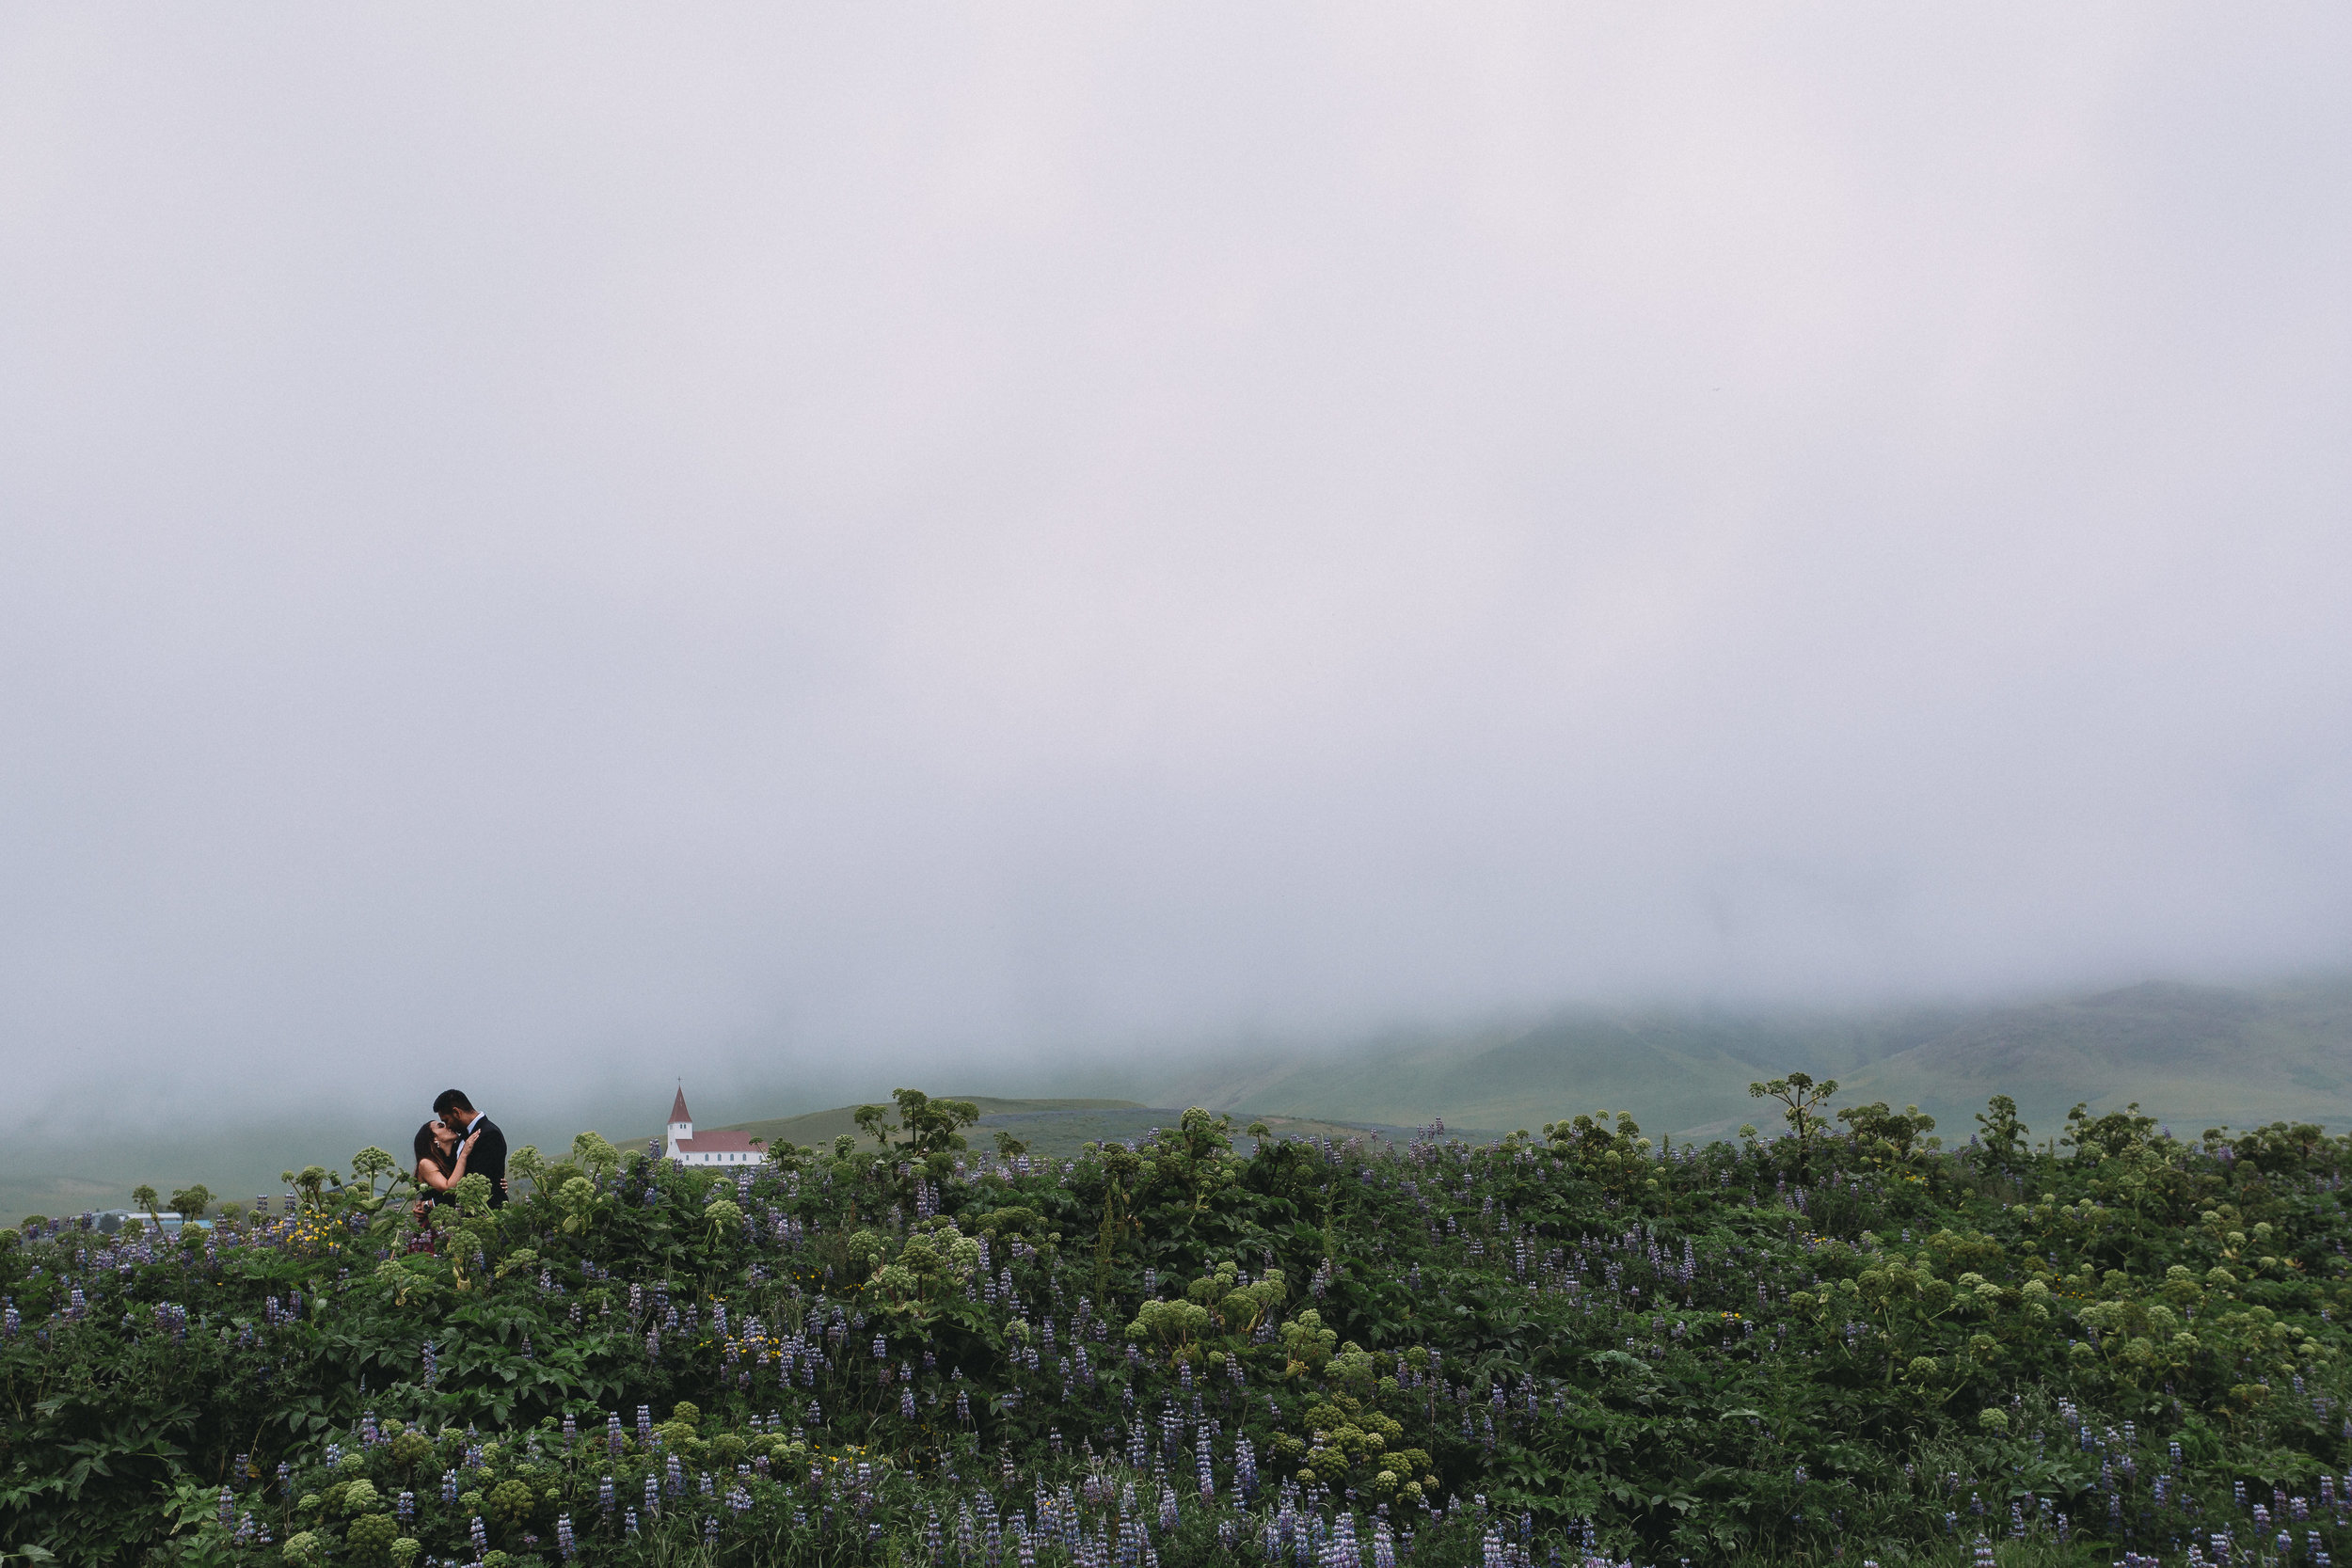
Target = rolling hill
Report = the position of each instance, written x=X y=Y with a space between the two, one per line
x=2196 y=1055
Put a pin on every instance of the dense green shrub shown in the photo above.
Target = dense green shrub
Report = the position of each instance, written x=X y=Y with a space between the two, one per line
x=1848 y=1345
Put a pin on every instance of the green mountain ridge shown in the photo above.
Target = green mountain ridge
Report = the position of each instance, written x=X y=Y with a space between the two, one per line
x=2200 y=1055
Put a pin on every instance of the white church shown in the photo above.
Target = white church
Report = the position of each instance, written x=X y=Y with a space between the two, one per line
x=712 y=1148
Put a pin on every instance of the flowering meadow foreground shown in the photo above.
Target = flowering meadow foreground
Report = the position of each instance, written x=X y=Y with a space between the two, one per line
x=1839 y=1344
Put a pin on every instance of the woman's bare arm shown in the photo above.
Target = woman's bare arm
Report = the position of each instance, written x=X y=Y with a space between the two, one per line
x=463 y=1150
x=429 y=1174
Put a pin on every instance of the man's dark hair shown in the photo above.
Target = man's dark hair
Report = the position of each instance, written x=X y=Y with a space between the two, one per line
x=452 y=1100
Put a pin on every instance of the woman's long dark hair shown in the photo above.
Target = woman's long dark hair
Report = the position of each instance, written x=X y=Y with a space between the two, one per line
x=428 y=1149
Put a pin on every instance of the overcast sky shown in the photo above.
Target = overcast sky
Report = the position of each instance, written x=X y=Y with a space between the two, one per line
x=575 y=541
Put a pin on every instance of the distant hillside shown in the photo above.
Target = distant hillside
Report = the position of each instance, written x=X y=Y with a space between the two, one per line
x=2197 y=1056
x=1673 y=1070
x=1049 y=1127
x=818 y=1127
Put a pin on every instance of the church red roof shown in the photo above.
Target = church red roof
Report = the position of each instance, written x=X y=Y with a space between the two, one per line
x=719 y=1143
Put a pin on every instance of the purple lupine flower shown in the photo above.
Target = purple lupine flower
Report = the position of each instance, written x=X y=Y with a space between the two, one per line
x=480 y=1536
x=563 y=1542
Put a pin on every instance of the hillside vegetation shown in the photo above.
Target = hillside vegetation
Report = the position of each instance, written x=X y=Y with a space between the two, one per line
x=2197 y=1056
x=1054 y=1127
x=822 y=1127
x=1839 y=1344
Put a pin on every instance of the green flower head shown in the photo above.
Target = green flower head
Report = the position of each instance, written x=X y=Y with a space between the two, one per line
x=369 y=1538
x=473 y=1192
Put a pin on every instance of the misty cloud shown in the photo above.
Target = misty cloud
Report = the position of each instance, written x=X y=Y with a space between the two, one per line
x=593 y=544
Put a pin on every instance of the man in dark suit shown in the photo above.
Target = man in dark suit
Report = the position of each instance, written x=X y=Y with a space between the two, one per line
x=489 y=1151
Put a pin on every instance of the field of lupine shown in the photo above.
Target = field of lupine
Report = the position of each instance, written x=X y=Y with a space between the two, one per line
x=1838 y=1343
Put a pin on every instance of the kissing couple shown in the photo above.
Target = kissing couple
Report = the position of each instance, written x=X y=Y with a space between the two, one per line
x=459 y=1141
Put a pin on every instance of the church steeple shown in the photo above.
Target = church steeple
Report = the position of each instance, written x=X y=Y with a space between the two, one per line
x=681 y=1120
